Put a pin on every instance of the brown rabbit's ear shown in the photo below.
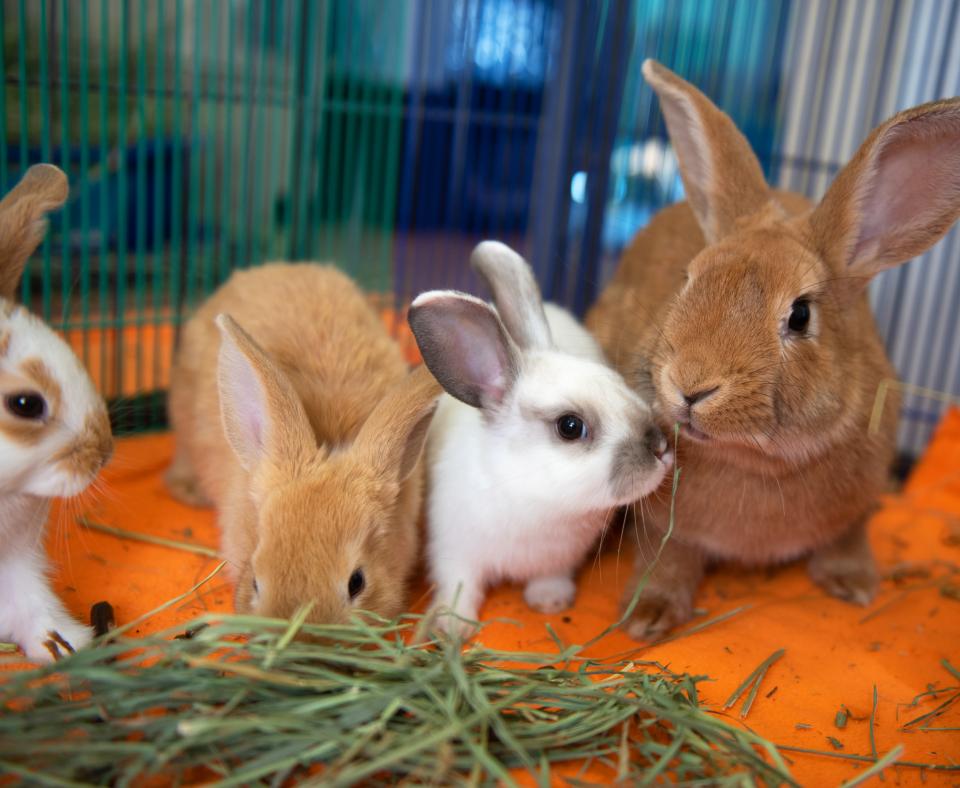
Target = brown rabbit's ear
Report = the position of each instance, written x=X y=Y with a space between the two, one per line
x=515 y=293
x=721 y=175
x=22 y=220
x=261 y=413
x=898 y=195
x=465 y=346
x=393 y=435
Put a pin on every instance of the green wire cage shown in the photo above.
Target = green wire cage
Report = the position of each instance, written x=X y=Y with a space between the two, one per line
x=389 y=136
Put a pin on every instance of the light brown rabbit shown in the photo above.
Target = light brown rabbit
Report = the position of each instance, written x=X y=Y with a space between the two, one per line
x=744 y=310
x=306 y=434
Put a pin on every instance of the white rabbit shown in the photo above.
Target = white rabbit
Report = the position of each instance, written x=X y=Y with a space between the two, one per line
x=54 y=430
x=535 y=443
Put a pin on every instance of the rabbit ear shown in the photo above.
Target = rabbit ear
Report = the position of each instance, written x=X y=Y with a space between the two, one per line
x=515 y=293
x=721 y=175
x=898 y=195
x=465 y=346
x=22 y=223
x=394 y=433
x=261 y=413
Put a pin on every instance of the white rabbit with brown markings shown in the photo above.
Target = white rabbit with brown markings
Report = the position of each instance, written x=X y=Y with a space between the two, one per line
x=54 y=431
x=535 y=443
x=745 y=310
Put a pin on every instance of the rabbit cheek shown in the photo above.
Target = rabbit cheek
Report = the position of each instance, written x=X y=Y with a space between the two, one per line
x=86 y=455
x=639 y=465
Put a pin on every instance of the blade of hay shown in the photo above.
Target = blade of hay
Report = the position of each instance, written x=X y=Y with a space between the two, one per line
x=641 y=584
x=755 y=679
x=887 y=760
x=168 y=604
x=933 y=767
x=160 y=541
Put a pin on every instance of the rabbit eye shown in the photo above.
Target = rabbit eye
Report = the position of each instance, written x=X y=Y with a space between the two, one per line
x=799 y=316
x=26 y=405
x=570 y=427
x=256 y=588
x=356 y=583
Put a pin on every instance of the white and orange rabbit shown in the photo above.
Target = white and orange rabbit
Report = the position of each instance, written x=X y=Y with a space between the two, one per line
x=54 y=430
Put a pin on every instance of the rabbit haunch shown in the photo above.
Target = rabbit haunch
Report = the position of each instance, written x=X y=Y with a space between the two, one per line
x=296 y=417
x=744 y=310
x=535 y=443
x=54 y=430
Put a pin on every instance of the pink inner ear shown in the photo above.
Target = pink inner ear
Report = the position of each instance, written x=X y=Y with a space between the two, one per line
x=913 y=191
x=243 y=404
x=484 y=360
x=690 y=145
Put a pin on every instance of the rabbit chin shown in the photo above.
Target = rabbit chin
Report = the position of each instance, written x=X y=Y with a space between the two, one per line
x=50 y=482
x=642 y=482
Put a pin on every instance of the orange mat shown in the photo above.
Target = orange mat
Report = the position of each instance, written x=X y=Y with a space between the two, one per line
x=835 y=654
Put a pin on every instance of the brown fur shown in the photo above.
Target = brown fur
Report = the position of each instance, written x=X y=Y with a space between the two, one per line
x=91 y=449
x=44 y=380
x=339 y=486
x=33 y=376
x=790 y=466
x=22 y=223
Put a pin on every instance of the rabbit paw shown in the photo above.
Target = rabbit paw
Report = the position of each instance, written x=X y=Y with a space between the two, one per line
x=460 y=625
x=550 y=594
x=53 y=636
x=850 y=579
x=183 y=486
x=656 y=614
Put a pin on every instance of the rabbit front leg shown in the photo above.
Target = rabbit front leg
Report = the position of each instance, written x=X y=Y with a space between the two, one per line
x=458 y=598
x=845 y=568
x=666 y=599
x=550 y=593
x=31 y=614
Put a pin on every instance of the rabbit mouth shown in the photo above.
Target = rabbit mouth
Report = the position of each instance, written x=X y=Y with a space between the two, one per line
x=690 y=431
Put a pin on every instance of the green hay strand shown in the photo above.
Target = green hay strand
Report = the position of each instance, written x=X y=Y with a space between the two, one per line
x=753 y=682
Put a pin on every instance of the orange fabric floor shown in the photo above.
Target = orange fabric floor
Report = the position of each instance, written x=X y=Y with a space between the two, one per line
x=835 y=653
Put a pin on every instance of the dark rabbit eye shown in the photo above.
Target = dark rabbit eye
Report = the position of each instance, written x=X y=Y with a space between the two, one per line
x=256 y=588
x=799 y=316
x=356 y=583
x=570 y=427
x=26 y=405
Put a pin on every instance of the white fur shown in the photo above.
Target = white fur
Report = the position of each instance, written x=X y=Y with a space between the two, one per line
x=508 y=499
x=29 y=610
x=27 y=469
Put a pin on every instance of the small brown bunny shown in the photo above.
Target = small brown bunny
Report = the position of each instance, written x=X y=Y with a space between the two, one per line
x=306 y=435
x=744 y=310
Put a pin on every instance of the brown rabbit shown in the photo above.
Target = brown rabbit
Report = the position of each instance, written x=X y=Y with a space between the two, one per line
x=306 y=434
x=745 y=311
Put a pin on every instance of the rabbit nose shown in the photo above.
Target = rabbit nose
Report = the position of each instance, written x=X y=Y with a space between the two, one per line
x=655 y=442
x=698 y=396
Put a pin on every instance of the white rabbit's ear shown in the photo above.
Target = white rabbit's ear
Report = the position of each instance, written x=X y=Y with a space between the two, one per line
x=898 y=195
x=515 y=293
x=261 y=413
x=465 y=346
x=721 y=175
x=22 y=220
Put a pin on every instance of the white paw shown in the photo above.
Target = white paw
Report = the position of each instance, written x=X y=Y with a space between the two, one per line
x=52 y=637
x=550 y=594
x=459 y=624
